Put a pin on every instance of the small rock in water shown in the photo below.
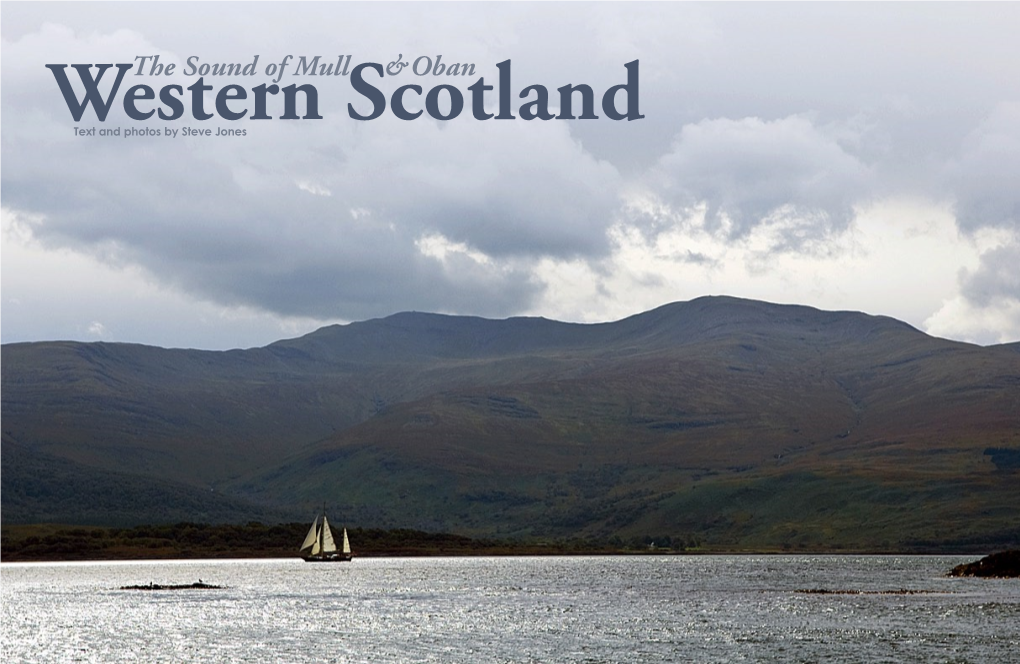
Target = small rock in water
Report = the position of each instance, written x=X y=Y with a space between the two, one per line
x=157 y=586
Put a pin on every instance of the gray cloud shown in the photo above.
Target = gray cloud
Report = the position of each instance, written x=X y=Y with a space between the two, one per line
x=747 y=172
x=998 y=276
x=188 y=220
x=985 y=183
x=985 y=179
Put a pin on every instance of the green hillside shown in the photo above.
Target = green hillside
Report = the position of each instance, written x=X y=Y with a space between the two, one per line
x=730 y=422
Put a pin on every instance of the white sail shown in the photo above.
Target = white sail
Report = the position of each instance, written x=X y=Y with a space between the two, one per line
x=312 y=538
x=328 y=545
x=347 y=544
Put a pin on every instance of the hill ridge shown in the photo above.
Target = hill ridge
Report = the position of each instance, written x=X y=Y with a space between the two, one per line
x=532 y=427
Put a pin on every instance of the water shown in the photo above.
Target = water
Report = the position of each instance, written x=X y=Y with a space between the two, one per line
x=584 y=609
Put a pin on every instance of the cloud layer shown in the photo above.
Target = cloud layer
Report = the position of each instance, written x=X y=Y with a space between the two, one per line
x=781 y=159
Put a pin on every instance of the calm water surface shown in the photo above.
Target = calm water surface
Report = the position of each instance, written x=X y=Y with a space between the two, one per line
x=586 y=609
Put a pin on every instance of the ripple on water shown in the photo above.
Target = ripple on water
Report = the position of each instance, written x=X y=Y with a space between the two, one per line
x=648 y=609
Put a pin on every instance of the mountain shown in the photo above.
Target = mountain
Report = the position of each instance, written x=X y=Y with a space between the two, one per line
x=730 y=422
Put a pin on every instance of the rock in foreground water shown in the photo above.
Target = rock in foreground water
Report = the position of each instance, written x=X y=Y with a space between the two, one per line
x=999 y=565
x=160 y=586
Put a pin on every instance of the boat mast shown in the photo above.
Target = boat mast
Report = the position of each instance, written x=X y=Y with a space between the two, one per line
x=322 y=532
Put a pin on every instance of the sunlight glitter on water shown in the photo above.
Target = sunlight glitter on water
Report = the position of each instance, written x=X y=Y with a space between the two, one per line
x=589 y=609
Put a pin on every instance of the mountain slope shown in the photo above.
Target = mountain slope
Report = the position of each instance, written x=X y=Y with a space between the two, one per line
x=719 y=419
x=39 y=488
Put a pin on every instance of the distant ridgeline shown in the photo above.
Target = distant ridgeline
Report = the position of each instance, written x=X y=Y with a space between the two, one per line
x=731 y=424
x=236 y=102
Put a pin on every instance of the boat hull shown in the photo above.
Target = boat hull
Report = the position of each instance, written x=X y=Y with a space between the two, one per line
x=327 y=559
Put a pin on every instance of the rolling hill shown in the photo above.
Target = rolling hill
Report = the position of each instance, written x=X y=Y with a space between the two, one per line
x=728 y=422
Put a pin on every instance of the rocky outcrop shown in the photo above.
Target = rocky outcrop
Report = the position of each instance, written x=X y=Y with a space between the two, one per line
x=998 y=565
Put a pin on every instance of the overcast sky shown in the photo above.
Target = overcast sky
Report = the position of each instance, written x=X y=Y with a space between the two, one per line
x=843 y=156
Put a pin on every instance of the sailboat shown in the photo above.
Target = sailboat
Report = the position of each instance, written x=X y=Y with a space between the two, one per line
x=319 y=545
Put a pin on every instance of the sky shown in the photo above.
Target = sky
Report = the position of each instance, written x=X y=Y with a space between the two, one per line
x=844 y=156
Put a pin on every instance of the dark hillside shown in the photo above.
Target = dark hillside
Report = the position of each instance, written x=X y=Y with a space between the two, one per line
x=720 y=419
x=39 y=488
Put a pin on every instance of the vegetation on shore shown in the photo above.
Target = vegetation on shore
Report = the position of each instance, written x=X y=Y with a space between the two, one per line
x=257 y=540
x=185 y=540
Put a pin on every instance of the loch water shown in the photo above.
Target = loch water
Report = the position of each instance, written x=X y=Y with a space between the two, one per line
x=514 y=609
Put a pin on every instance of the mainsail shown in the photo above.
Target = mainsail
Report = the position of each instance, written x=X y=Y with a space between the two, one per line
x=326 y=537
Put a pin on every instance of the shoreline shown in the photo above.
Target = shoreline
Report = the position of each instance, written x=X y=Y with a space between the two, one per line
x=237 y=557
x=191 y=541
